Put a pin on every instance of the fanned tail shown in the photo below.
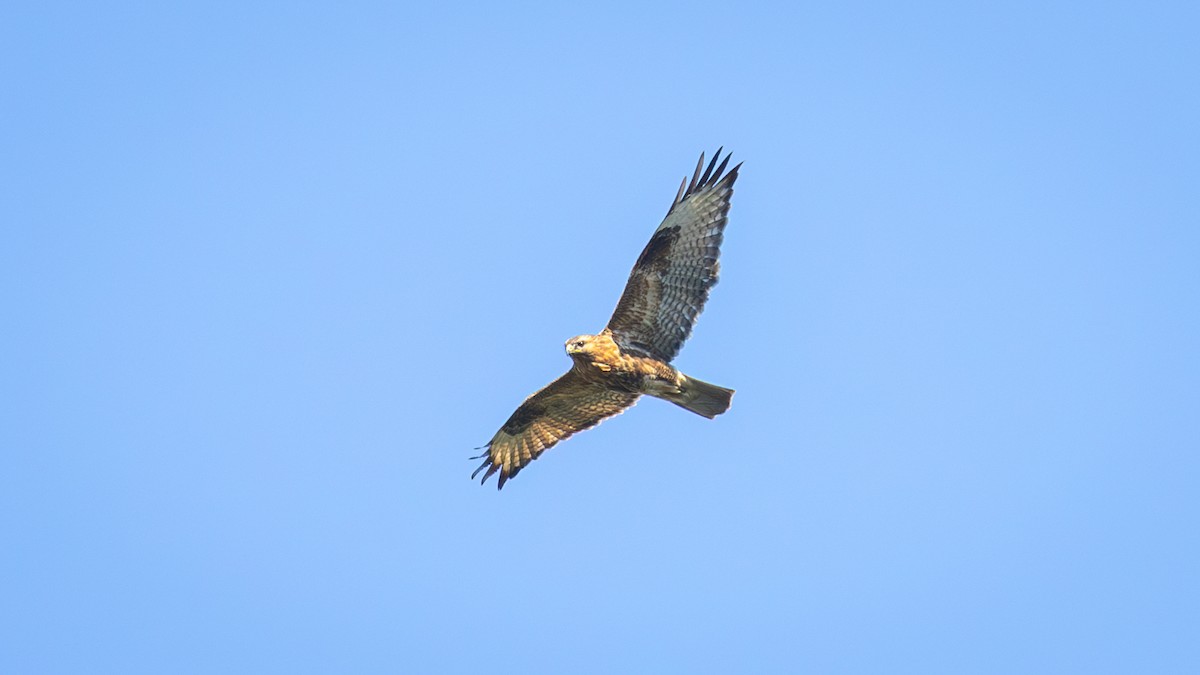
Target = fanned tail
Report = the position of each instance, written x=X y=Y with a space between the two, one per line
x=702 y=398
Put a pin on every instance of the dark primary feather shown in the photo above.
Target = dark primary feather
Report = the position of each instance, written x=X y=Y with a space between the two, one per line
x=565 y=406
x=671 y=279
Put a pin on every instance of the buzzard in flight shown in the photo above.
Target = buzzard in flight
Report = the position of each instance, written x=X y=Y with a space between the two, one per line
x=665 y=293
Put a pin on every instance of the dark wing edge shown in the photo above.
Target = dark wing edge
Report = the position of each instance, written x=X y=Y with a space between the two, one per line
x=562 y=408
x=709 y=180
x=670 y=282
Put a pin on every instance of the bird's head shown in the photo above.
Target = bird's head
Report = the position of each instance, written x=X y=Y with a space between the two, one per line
x=580 y=344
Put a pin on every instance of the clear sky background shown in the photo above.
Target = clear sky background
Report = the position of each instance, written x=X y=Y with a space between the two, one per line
x=269 y=274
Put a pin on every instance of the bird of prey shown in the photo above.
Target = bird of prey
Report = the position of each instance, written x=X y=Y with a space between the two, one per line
x=665 y=293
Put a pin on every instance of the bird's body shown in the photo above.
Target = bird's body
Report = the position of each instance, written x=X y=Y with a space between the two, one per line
x=665 y=293
x=599 y=360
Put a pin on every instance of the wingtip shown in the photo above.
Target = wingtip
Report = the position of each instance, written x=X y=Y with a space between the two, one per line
x=695 y=176
x=486 y=447
x=714 y=174
x=487 y=463
x=721 y=169
x=732 y=175
x=678 y=195
x=708 y=172
x=477 y=470
x=706 y=178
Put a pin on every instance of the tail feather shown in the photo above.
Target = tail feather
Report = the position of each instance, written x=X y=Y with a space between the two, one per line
x=702 y=398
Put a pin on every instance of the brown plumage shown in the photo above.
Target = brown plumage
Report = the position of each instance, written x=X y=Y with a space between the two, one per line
x=666 y=291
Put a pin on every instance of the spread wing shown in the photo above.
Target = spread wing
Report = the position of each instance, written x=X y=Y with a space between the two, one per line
x=561 y=408
x=670 y=281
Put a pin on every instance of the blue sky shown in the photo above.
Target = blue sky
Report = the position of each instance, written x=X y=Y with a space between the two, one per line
x=271 y=273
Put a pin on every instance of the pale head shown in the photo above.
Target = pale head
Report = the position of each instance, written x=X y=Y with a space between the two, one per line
x=580 y=344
